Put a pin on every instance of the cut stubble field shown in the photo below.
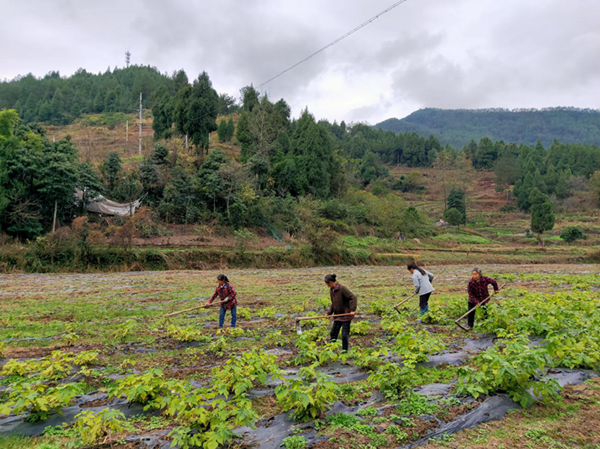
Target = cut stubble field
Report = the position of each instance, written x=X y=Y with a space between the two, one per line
x=98 y=346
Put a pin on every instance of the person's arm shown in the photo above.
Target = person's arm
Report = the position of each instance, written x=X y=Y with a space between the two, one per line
x=472 y=298
x=215 y=294
x=494 y=284
x=417 y=282
x=352 y=299
x=330 y=311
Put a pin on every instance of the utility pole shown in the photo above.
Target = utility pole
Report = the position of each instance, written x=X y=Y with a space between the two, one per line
x=140 y=139
x=54 y=219
x=127 y=131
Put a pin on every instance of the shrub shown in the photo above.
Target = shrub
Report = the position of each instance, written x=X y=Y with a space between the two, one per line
x=571 y=234
x=454 y=216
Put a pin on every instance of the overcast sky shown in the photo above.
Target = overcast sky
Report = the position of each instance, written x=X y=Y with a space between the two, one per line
x=424 y=53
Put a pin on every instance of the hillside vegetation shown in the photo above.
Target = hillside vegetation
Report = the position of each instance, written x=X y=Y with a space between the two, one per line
x=458 y=127
x=255 y=186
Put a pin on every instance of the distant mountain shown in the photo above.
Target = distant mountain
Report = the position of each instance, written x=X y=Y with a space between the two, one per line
x=458 y=127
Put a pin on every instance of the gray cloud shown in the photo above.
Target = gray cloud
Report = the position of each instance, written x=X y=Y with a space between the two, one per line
x=434 y=53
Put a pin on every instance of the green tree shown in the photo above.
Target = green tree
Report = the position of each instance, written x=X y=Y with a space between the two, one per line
x=111 y=171
x=542 y=216
x=163 y=114
x=454 y=216
x=222 y=131
x=456 y=200
x=202 y=111
x=230 y=129
x=250 y=98
x=485 y=155
x=595 y=185
x=227 y=104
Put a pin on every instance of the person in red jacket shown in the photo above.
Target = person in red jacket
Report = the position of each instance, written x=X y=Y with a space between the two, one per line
x=225 y=292
x=478 y=290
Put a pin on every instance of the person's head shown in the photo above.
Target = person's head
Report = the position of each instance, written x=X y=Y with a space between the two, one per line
x=222 y=279
x=412 y=267
x=331 y=280
x=476 y=273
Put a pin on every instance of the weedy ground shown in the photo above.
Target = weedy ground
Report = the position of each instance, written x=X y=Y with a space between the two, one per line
x=115 y=325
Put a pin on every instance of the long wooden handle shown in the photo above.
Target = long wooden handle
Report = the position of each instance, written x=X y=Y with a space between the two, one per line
x=403 y=301
x=322 y=316
x=203 y=306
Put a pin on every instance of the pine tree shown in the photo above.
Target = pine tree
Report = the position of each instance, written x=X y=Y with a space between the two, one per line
x=542 y=216
x=202 y=111
x=222 y=130
x=230 y=129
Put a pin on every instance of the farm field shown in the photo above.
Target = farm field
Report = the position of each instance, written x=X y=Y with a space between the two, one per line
x=98 y=348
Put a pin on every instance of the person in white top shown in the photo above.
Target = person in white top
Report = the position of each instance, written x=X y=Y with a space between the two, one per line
x=422 y=280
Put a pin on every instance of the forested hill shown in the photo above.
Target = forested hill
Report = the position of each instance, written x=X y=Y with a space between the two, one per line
x=458 y=127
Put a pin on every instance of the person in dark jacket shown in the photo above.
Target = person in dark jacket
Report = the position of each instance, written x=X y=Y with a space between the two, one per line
x=478 y=290
x=225 y=292
x=342 y=301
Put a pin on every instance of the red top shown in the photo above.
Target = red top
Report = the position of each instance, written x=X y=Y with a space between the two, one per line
x=478 y=290
x=224 y=291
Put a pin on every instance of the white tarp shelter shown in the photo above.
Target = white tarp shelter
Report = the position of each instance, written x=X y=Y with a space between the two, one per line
x=103 y=206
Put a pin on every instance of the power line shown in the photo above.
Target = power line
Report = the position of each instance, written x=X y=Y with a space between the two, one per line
x=332 y=43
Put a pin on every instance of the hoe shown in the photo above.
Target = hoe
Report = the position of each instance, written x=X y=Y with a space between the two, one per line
x=204 y=306
x=402 y=302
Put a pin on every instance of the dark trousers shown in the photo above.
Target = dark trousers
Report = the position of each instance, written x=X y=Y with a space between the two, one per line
x=424 y=303
x=222 y=316
x=335 y=331
x=471 y=316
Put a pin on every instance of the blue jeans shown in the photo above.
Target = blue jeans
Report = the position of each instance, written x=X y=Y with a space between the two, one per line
x=222 y=316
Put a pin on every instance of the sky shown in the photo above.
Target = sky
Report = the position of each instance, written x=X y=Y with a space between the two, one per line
x=423 y=53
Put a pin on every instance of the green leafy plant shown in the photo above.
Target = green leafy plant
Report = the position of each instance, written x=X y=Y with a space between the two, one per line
x=415 y=404
x=514 y=367
x=240 y=373
x=149 y=388
x=92 y=426
x=54 y=367
x=231 y=332
x=39 y=400
x=414 y=347
x=124 y=330
x=295 y=442
x=267 y=312
x=218 y=346
x=307 y=399
x=207 y=422
x=70 y=336
x=182 y=333
x=360 y=328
